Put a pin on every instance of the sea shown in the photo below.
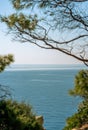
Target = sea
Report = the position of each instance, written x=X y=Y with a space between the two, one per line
x=45 y=88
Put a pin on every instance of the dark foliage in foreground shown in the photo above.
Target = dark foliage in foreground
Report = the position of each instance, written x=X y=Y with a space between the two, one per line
x=17 y=116
x=81 y=89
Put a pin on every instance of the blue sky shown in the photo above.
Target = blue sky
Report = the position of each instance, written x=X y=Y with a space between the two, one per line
x=27 y=53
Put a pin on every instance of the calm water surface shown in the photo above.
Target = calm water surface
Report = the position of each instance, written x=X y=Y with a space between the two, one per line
x=45 y=87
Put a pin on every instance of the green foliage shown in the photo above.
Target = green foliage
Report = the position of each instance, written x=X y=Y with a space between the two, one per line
x=20 y=22
x=21 y=4
x=16 y=4
x=81 y=89
x=81 y=85
x=17 y=116
x=5 y=61
x=73 y=122
x=78 y=119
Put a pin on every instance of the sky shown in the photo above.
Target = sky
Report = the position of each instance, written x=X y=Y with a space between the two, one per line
x=26 y=53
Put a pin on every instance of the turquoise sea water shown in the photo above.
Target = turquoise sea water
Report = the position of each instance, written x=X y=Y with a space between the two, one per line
x=45 y=87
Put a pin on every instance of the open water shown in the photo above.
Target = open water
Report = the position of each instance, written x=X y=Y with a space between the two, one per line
x=45 y=87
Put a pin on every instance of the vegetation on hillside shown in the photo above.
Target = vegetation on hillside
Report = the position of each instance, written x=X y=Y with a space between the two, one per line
x=17 y=116
x=80 y=89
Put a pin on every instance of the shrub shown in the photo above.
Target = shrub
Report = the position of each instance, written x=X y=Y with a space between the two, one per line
x=80 y=89
x=17 y=116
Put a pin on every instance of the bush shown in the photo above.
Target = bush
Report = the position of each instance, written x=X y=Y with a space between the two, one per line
x=17 y=116
x=80 y=89
x=81 y=85
x=78 y=119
